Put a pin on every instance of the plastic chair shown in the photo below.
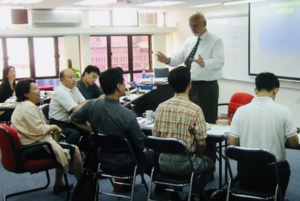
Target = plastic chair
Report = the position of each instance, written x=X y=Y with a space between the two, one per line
x=13 y=158
x=251 y=156
x=170 y=146
x=236 y=101
x=110 y=143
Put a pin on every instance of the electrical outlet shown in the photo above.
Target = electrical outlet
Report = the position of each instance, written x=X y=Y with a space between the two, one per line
x=297 y=99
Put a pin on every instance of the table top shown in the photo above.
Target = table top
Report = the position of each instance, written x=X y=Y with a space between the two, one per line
x=212 y=131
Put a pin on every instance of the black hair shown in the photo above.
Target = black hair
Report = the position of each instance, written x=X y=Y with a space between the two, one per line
x=266 y=81
x=110 y=79
x=4 y=74
x=179 y=78
x=22 y=88
x=89 y=69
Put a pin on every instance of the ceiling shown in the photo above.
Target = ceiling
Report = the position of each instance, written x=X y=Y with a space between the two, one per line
x=70 y=4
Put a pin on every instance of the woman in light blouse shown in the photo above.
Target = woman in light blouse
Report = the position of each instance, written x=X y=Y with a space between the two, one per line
x=31 y=127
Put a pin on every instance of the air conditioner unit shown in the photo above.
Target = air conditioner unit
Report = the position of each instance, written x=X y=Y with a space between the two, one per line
x=148 y=19
x=52 y=18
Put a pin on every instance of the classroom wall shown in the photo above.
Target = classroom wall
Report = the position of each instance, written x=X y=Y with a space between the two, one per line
x=179 y=18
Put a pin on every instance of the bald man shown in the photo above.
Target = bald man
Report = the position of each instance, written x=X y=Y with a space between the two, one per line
x=66 y=99
x=205 y=66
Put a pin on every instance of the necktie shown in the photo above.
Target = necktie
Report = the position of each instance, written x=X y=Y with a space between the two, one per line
x=192 y=54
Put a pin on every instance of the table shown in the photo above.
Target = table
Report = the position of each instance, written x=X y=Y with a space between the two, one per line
x=218 y=134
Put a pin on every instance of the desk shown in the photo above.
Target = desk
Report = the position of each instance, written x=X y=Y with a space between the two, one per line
x=133 y=98
x=219 y=135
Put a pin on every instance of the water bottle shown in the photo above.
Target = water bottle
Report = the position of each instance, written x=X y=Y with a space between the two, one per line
x=143 y=73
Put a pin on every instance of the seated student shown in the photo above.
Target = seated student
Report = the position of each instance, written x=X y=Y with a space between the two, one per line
x=107 y=116
x=31 y=127
x=182 y=119
x=267 y=125
x=87 y=85
x=7 y=87
x=66 y=99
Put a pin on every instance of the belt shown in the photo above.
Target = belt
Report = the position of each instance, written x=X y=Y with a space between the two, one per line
x=202 y=82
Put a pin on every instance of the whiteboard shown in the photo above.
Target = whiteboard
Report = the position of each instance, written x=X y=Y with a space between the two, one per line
x=234 y=33
x=233 y=30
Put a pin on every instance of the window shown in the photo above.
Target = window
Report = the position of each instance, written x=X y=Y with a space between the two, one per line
x=98 y=46
x=18 y=56
x=5 y=17
x=126 y=17
x=61 y=52
x=99 y=18
x=35 y=57
x=116 y=51
x=119 y=49
x=44 y=58
x=1 y=60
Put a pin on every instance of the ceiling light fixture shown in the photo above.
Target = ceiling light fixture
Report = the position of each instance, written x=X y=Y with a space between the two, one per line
x=240 y=2
x=161 y=3
x=21 y=1
x=206 y=5
x=95 y=2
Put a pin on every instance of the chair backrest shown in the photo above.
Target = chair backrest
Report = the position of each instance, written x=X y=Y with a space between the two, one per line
x=45 y=109
x=250 y=155
x=237 y=100
x=165 y=145
x=9 y=144
x=169 y=146
x=110 y=142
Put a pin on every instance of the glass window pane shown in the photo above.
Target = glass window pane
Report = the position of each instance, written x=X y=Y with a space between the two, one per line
x=98 y=46
x=44 y=56
x=1 y=59
x=99 y=18
x=140 y=46
x=61 y=51
x=18 y=56
x=126 y=17
x=119 y=48
x=5 y=17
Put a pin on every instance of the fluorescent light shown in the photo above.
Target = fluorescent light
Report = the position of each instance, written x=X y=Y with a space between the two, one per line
x=95 y=2
x=240 y=2
x=207 y=5
x=21 y=1
x=161 y=3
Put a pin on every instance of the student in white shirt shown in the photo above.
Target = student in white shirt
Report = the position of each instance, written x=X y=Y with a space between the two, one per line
x=264 y=124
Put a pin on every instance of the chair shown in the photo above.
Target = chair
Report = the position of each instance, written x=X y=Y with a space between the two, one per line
x=45 y=110
x=251 y=156
x=170 y=146
x=13 y=158
x=109 y=143
x=237 y=100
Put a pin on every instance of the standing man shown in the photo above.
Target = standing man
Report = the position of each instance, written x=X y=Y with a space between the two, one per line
x=66 y=99
x=267 y=125
x=87 y=85
x=203 y=54
x=182 y=119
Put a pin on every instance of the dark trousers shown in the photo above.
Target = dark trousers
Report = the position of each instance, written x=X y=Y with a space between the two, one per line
x=123 y=162
x=206 y=95
x=249 y=175
x=73 y=134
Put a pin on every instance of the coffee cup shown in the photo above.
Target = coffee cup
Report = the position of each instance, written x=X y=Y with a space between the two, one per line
x=222 y=122
x=148 y=115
